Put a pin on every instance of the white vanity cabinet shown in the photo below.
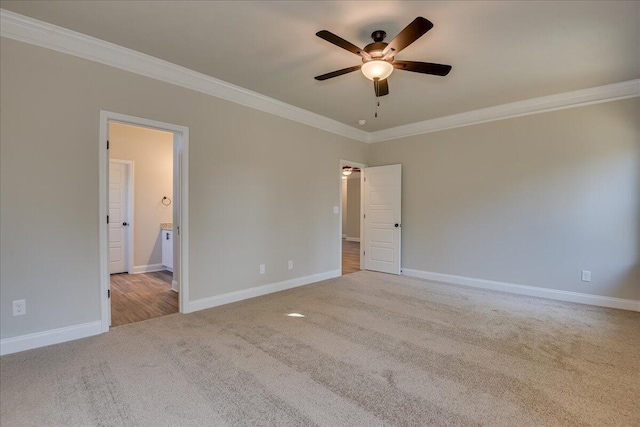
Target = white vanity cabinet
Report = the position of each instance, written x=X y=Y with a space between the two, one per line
x=167 y=249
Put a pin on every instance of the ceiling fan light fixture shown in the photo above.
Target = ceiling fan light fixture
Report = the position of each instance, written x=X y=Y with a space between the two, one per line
x=346 y=172
x=377 y=69
x=379 y=58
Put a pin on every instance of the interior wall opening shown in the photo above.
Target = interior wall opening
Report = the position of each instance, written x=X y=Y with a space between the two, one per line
x=141 y=186
x=350 y=190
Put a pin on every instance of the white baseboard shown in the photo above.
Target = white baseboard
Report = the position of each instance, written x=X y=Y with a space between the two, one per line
x=344 y=236
x=53 y=336
x=257 y=291
x=602 y=301
x=353 y=239
x=137 y=269
x=174 y=286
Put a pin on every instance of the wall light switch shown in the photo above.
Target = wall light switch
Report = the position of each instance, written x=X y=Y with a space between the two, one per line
x=262 y=268
x=586 y=276
x=290 y=265
x=336 y=210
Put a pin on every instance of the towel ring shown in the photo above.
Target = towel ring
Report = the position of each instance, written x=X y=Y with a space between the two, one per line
x=166 y=198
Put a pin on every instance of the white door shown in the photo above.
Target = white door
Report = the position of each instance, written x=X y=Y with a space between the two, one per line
x=167 y=249
x=117 y=217
x=382 y=225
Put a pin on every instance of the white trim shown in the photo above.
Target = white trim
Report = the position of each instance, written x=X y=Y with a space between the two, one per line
x=150 y=268
x=103 y=227
x=181 y=139
x=257 y=291
x=181 y=236
x=39 y=33
x=130 y=210
x=50 y=337
x=344 y=236
x=362 y=231
x=554 y=294
x=544 y=104
x=175 y=286
x=352 y=239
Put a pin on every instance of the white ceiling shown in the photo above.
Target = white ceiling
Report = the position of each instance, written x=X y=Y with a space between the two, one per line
x=501 y=52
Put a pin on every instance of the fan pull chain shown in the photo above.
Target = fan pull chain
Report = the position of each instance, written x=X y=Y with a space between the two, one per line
x=376 y=82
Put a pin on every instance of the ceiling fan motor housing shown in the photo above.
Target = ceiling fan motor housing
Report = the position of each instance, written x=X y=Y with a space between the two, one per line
x=375 y=50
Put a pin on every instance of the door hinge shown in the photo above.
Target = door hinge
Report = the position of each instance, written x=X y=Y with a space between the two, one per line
x=178 y=229
x=365 y=179
x=108 y=293
x=364 y=252
x=364 y=216
x=107 y=144
x=107 y=219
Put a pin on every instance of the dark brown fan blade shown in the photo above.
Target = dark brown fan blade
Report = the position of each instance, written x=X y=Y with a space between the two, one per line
x=340 y=42
x=381 y=87
x=411 y=33
x=423 y=67
x=338 y=73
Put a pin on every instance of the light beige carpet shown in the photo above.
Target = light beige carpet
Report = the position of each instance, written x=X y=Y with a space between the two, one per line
x=373 y=350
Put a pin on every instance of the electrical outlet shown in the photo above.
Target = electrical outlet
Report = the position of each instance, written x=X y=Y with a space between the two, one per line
x=336 y=210
x=586 y=276
x=19 y=307
x=290 y=265
x=262 y=269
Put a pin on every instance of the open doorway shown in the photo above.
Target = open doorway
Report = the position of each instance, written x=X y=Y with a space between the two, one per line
x=143 y=195
x=140 y=223
x=351 y=217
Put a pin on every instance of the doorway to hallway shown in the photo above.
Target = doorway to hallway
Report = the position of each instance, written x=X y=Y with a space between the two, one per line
x=351 y=222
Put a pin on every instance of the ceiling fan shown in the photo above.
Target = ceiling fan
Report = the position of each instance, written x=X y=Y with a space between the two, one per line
x=347 y=170
x=378 y=58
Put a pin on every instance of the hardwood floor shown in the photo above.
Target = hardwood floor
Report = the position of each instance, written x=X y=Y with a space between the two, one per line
x=350 y=257
x=136 y=297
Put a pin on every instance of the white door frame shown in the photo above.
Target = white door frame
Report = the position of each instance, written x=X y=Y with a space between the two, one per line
x=129 y=199
x=361 y=166
x=180 y=211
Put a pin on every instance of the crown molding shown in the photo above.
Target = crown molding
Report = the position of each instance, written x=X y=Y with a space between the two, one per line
x=544 y=104
x=28 y=30
x=22 y=28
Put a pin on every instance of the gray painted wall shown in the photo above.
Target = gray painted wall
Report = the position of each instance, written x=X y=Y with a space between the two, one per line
x=245 y=209
x=531 y=200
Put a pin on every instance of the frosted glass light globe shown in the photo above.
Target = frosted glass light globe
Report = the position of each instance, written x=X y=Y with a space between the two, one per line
x=377 y=69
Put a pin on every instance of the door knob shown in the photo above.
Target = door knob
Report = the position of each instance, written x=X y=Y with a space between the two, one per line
x=397 y=225
x=125 y=224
